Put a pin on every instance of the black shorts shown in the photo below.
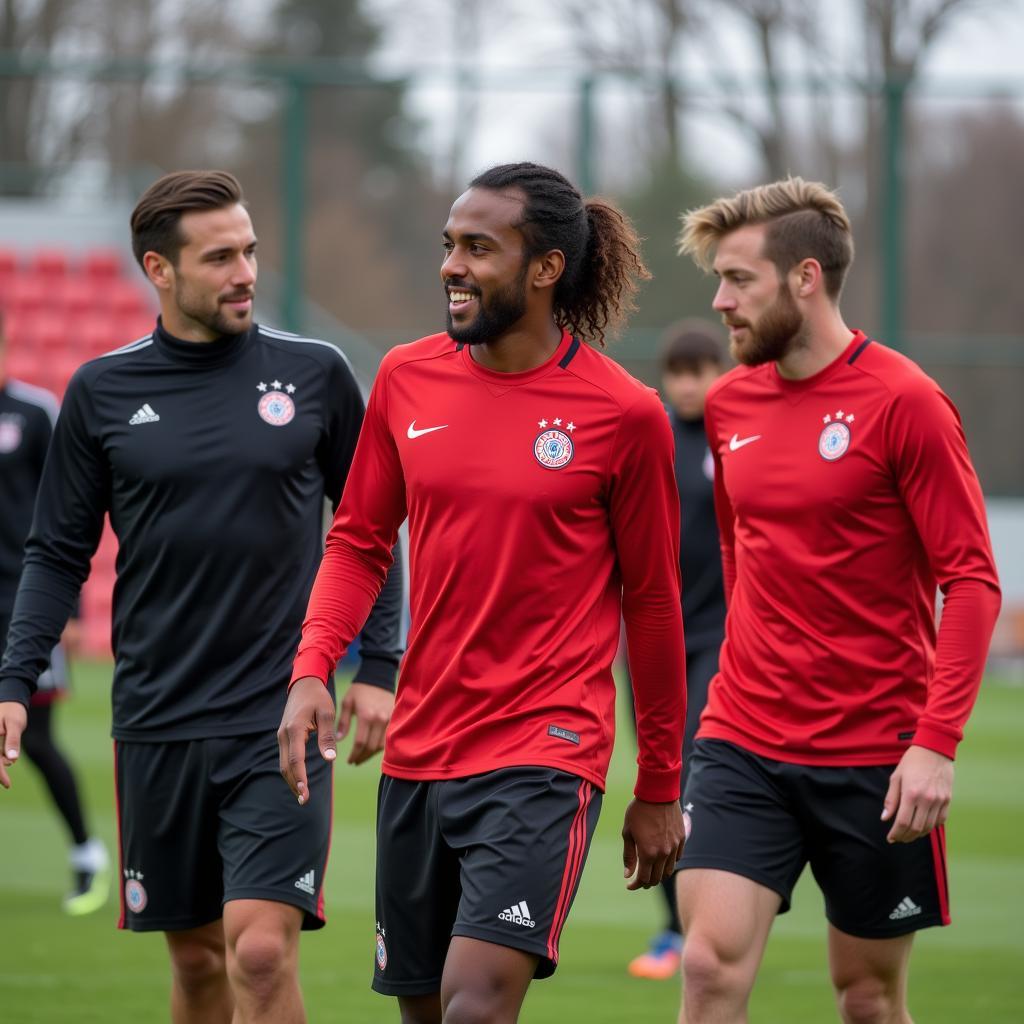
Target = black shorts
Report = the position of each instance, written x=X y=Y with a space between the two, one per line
x=496 y=857
x=766 y=819
x=205 y=821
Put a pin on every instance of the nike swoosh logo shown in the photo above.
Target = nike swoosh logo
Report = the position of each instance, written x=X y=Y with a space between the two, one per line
x=735 y=442
x=413 y=432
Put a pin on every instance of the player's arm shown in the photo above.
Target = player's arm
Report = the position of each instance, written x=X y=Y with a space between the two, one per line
x=65 y=532
x=644 y=512
x=370 y=697
x=356 y=561
x=723 y=507
x=943 y=497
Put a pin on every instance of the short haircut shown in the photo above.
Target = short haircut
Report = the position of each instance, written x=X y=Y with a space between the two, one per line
x=804 y=219
x=157 y=216
x=687 y=345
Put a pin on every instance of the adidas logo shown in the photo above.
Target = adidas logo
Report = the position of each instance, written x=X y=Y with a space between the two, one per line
x=305 y=883
x=519 y=914
x=144 y=415
x=906 y=908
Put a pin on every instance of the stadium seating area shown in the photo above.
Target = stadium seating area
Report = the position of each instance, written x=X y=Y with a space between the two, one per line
x=61 y=308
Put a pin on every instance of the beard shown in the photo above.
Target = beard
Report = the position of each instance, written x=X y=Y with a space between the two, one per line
x=776 y=333
x=495 y=315
x=212 y=315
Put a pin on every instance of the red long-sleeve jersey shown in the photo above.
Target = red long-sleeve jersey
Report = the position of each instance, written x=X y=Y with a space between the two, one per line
x=844 y=499
x=542 y=506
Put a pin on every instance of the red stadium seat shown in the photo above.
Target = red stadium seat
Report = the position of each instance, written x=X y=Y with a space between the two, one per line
x=74 y=295
x=9 y=261
x=49 y=263
x=23 y=363
x=97 y=335
x=26 y=293
x=102 y=264
x=48 y=334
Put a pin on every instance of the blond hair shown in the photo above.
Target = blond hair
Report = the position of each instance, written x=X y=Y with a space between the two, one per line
x=804 y=219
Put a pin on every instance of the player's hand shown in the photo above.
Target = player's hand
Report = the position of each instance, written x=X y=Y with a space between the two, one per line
x=309 y=709
x=71 y=638
x=372 y=707
x=13 y=719
x=652 y=842
x=919 y=793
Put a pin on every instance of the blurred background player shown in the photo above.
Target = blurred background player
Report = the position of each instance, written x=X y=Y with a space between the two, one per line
x=27 y=415
x=691 y=359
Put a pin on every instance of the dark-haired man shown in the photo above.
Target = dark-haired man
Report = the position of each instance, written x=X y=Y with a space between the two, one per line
x=691 y=359
x=845 y=497
x=212 y=443
x=537 y=478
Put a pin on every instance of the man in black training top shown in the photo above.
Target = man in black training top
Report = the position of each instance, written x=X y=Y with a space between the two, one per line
x=212 y=444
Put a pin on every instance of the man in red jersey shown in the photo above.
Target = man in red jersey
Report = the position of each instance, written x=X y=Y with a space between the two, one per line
x=845 y=496
x=537 y=477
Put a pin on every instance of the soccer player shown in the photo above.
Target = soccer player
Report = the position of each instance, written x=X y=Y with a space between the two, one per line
x=27 y=415
x=845 y=497
x=212 y=443
x=537 y=478
x=691 y=361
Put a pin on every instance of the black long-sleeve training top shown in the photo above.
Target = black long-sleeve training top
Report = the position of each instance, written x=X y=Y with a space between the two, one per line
x=213 y=461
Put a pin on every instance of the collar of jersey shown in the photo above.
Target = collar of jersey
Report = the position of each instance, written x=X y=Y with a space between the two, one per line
x=524 y=376
x=207 y=353
x=806 y=383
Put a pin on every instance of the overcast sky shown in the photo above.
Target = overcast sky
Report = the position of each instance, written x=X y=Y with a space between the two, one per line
x=533 y=116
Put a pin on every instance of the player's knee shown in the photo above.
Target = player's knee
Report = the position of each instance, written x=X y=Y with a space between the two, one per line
x=196 y=965
x=705 y=971
x=260 y=959
x=468 y=1006
x=867 y=1001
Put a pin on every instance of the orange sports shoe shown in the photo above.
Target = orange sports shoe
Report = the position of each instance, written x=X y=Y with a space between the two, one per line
x=662 y=960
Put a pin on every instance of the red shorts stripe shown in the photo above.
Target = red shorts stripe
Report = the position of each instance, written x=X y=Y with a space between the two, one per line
x=573 y=866
x=938 y=841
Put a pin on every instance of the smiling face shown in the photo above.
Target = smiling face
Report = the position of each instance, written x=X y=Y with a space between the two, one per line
x=208 y=290
x=486 y=265
x=756 y=305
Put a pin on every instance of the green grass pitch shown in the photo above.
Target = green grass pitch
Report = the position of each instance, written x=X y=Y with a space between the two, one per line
x=54 y=968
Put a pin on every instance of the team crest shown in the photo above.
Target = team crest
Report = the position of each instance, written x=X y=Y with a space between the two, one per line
x=10 y=434
x=276 y=406
x=834 y=440
x=135 y=896
x=382 y=950
x=554 y=448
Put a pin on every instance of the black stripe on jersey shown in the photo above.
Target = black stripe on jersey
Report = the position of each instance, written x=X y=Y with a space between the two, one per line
x=568 y=357
x=860 y=348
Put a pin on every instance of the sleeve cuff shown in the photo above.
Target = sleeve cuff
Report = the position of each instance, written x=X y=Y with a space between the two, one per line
x=934 y=739
x=659 y=786
x=16 y=690
x=377 y=672
x=310 y=663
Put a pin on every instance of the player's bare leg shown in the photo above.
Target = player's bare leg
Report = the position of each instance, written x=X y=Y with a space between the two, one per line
x=726 y=920
x=263 y=961
x=420 y=1009
x=200 y=993
x=870 y=977
x=484 y=983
